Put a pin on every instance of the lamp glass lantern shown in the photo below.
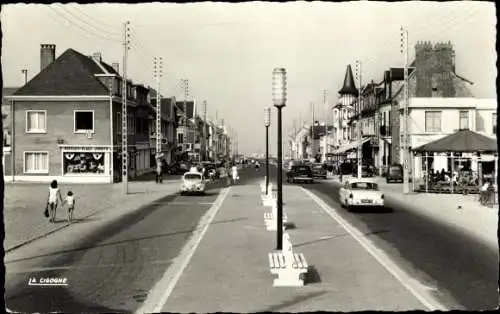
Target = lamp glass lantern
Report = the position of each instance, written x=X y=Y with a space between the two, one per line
x=267 y=116
x=279 y=87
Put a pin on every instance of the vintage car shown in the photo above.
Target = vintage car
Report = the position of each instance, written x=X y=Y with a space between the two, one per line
x=193 y=182
x=319 y=170
x=361 y=193
x=300 y=173
x=394 y=173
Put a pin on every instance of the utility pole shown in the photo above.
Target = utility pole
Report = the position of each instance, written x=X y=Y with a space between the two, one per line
x=217 y=137
x=404 y=51
x=157 y=73
x=205 y=129
x=325 y=151
x=185 y=87
x=126 y=42
x=313 y=146
x=358 y=124
x=25 y=72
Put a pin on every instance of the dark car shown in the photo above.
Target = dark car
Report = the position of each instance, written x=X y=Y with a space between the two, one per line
x=394 y=173
x=299 y=173
x=319 y=171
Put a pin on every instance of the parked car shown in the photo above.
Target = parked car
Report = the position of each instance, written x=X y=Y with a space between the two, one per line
x=394 y=173
x=193 y=182
x=361 y=193
x=300 y=173
x=319 y=171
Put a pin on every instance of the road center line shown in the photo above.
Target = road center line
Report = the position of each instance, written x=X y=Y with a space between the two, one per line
x=431 y=303
x=158 y=296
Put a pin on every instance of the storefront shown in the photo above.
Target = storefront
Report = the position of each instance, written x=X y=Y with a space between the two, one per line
x=85 y=164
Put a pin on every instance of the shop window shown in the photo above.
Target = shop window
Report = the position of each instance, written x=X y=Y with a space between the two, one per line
x=91 y=163
x=36 y=162
x=84 y=121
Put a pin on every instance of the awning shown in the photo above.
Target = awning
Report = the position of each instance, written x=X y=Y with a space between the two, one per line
x=350 y=146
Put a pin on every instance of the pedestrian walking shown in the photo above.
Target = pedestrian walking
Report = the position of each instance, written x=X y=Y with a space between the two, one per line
x=484 y=195
x=52 y=200
x=70 y=201
x=234 y=173
x=159 y=175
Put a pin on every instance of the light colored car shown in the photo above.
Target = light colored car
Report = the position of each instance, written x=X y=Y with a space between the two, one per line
x=361 y=193
x=193 y=182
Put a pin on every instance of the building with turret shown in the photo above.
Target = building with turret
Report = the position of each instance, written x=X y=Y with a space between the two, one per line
x=342 y=113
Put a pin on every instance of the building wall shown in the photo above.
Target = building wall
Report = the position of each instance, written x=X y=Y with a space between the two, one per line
x=60 y=125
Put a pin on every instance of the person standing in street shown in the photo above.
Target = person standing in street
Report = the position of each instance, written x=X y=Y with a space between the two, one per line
x=52 y=200
x=159 y=176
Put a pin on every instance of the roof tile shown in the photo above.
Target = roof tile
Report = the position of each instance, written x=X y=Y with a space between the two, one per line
x=72 y=73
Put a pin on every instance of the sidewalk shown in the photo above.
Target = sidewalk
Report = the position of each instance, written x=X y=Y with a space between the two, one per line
x=229 y=271
x=24 y=205
x=458 y=210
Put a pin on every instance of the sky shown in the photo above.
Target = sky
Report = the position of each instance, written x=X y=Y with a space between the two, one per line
x=228 y=51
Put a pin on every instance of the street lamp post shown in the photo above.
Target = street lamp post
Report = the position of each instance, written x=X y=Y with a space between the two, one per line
x=279 y=100
x=267 y=123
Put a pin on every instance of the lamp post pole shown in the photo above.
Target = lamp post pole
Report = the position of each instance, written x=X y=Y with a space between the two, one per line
x=279 y=100
x=267 y=123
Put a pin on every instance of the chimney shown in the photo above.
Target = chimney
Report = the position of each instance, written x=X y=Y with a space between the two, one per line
x=97 y=56
x=47 y=55
x=116 y=67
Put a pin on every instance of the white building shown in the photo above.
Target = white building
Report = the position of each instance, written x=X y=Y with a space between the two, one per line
x=432 y=118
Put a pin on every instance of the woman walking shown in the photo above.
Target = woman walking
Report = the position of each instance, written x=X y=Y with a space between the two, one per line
x=52 y=200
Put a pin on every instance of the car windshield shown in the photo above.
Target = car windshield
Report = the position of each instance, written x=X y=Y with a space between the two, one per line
x=364 y=186
x=192 y=176
x=318 y=166
x=395 y=170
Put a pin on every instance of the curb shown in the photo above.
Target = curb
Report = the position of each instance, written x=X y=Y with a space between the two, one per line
x=35 y=238
x=64 y=226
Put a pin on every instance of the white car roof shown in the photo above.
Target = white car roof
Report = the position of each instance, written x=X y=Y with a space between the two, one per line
x=192 y=172
x=355 y=180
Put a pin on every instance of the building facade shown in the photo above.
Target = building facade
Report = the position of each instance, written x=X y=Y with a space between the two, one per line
x=67 y=122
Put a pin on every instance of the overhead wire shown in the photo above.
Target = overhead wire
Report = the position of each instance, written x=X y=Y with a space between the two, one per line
x=436 y=27
x=75 y=7
x=86 y=31
x=87 y=24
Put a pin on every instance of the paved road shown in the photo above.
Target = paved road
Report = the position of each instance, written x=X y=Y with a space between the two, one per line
x=461 y=271
x=110 y=262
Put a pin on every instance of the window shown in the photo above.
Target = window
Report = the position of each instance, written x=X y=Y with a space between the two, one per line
x=494 y=123
x=464 y=120
x=75 y=162
x=433 y=121
x=36 y=162
x=84 y=121
x=180 y=138
x=36 y=121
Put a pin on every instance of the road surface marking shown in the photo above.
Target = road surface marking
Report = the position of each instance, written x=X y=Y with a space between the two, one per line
x=182 y=203
x=158 y=296
x=431 y=303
